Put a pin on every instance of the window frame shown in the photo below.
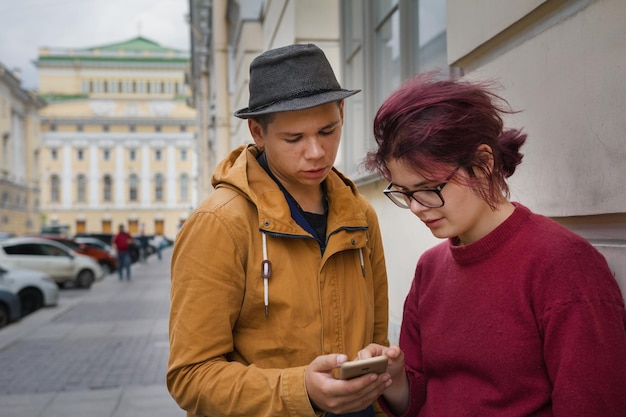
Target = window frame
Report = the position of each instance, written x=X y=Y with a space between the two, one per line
x=361 y=23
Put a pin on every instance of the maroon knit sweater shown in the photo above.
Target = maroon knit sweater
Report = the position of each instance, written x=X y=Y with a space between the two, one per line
x=528 y=321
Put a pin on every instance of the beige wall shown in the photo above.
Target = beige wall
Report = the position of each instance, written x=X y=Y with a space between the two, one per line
x=20 y=143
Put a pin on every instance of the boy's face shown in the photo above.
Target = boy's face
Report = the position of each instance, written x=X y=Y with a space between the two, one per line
x=301 y=146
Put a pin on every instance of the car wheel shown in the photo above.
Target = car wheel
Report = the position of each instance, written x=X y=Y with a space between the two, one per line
x=85 y=278
x=31 y=300
x=4 y=316
x=106 y=268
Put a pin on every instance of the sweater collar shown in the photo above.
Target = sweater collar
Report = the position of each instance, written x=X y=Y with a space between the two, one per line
x=488 y=246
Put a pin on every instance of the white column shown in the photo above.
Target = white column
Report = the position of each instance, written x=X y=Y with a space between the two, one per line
x=170 y=176
x=119 y=178
x=67 y=185
x=145 y=179
x=93 y=179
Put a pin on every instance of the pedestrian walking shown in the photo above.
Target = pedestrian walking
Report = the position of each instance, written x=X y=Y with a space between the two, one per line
x=279 y=276
x=121 y=242
x=159 y=243
x=143 y=247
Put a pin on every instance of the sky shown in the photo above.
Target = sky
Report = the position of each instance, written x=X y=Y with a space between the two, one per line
x=27 y=25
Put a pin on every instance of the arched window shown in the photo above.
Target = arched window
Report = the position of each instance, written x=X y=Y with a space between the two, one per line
x=184 y=187
x=158 y=187
x=107 y=188
x=55 y=189
x=133 y=187
x=81 y=189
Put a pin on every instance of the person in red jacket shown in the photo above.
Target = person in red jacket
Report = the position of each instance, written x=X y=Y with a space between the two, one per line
x=121 y=242
x=511 y=315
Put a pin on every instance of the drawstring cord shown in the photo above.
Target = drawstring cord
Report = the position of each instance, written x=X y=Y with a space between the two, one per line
x=362 y=263
x=266 y=273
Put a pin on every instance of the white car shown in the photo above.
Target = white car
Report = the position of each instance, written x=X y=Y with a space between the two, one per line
x=34 y=288
x=55 y=259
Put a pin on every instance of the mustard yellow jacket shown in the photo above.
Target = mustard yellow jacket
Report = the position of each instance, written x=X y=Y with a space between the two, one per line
x=226 y=357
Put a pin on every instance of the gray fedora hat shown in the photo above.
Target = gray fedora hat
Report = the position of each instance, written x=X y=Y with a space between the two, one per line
x=293 y=77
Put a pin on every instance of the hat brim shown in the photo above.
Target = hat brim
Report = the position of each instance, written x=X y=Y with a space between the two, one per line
x=299 y=103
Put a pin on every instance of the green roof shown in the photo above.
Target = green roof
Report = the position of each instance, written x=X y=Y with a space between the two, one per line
x=136 y=44
x=137 y=49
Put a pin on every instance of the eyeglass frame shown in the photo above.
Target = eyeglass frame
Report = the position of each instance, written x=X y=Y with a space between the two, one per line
x=410 y=194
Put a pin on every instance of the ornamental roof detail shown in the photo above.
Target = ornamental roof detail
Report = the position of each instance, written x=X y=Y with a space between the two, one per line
x=134 y=50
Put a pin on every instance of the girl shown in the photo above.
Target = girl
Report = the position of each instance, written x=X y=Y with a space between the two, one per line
x=512 y=315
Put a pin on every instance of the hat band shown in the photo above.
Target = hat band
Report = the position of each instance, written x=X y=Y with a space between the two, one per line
x=293 y=97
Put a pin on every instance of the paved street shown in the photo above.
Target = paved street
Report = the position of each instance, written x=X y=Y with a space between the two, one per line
x=100 y=354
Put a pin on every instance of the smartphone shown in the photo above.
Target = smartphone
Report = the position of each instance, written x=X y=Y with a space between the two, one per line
x=358 y=367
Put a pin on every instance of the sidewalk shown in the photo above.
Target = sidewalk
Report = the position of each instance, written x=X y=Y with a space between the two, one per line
x=102 y=354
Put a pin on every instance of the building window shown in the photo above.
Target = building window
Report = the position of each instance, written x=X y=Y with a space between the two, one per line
x=55 y=189
x=183 y=154
x=158 y=187
x=132 y=128
x=134 y=90
x=119 y=87
x=106 y=154
x=113 y=84
x=157 y=128
x=53 y=127
x=127 y=87
x=107 y=188
x=54 y=154
x=91 y=86
x=81 y=189
x=79 y=128
x=105 y=86
x=158 y=154
x=132 y=154
x=105 y=128
x=80 y=154
x=133 y=188
x=383 y=44
x=183 y=128
x=84 y=87
x=184 y=187
x=148 y=87
x=162 y=87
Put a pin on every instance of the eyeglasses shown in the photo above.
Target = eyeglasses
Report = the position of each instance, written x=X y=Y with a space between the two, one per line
x=430 y=197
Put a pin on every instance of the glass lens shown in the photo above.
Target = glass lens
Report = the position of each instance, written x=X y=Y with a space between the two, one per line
x=428 y=198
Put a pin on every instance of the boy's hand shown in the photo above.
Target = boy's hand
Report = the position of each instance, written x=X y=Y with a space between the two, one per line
x=340 y=396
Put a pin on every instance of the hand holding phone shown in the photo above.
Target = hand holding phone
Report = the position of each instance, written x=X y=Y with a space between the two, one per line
x=359 y=367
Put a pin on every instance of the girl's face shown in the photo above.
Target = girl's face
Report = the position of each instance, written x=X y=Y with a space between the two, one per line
x=464 y=214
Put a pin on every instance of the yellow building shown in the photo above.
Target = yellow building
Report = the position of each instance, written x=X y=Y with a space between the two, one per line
x=118 y=138
x=19 y=156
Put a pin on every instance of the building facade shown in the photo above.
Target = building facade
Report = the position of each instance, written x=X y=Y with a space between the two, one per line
x=20 y=152
x=118 y=138
x=559 y=62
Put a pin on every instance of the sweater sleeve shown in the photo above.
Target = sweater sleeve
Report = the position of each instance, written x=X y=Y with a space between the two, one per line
x=583 y=322
x=205 y=303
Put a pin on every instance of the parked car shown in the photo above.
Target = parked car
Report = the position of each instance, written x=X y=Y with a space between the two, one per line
x=107 y=261
x=107 y=238
x=60 y=262
x=35 y=289
x=10 y=309
x=6 y=235
x=96 y=243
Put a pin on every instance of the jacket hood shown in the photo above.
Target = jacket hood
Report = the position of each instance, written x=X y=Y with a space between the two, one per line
x=241 y=172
